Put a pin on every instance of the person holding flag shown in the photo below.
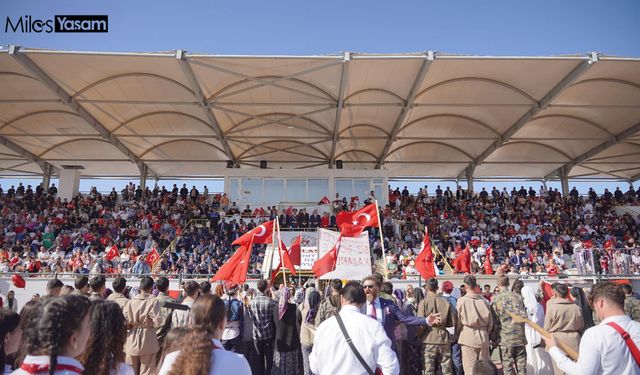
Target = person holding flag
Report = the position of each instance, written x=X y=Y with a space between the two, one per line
x=424 y=261
x=112 y=253
x=488 y=268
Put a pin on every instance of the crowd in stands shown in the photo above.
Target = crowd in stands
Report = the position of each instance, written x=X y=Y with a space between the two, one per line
x=530 y=232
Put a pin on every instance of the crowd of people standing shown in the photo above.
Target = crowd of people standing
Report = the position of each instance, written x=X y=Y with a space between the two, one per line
x=354 y=327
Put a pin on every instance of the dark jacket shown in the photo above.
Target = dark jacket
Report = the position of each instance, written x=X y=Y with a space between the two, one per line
x=287 y=330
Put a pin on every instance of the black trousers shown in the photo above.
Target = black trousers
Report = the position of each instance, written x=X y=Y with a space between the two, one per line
x=264 y=349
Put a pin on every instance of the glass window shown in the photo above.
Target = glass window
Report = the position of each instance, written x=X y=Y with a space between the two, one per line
x=344 y=188
x=377 y=189
x=296 y=190
x=317 y=189
x=362 y=189
x=251 y=191
x=377 y=181
x=234 y=186
x=273 y=191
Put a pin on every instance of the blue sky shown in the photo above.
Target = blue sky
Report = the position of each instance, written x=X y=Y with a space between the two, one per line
x=541 y=27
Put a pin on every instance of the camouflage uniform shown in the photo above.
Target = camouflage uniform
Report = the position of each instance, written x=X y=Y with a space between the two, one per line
x=437 y=342
x=165 y=318
x=632 y=307
x=512 y=339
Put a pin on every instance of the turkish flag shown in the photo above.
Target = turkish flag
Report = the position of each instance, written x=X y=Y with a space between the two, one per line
x=295 y=251
x=112 y=253
x=344 y=217
x=235 y=269
x=424 y=260
x=327 y=263
x=153 y=257
x=350 y=230
x=487 y=261
x=260 y=234
x=289 y=258
x=324 y=200
x=367 y=216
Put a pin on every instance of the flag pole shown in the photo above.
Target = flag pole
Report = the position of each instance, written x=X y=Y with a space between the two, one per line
x=446 y=262
x=384 y=257
x=273 y=250
x=284 y=275
x=300 y=266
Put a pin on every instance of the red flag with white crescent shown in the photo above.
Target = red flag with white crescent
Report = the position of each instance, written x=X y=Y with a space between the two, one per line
x=261 y=234
x=235 y=268
x=328 y=261
x=112 y=253
x=153 y=257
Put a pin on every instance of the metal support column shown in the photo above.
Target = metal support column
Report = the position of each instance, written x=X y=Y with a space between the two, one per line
x=470 y=171
x=564 y=181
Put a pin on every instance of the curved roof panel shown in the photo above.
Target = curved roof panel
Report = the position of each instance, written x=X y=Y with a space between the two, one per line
x=416 y=115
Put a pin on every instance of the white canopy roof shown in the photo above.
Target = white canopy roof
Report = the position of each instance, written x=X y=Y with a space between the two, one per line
x=175 y=114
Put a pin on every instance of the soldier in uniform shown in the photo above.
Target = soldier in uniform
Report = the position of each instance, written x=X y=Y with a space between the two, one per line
x=631 y=303
x=512 y=338
x=119 y=284
x=563 y=319
x=475 y=323
x=437 y=342
x=165 y=313
x=143 y=316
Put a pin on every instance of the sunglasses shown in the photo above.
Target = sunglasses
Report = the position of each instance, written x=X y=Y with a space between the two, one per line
x=368 y=286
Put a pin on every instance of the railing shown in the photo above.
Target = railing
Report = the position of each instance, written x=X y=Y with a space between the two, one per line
x=109 y=276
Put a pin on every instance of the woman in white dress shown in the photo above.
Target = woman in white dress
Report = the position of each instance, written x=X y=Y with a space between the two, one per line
x=201 y=341
x=538 y=360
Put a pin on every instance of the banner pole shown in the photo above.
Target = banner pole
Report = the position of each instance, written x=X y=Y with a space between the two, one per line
x=446 y=262
x=284 y=275
x=273 y=249
x=384 y=257
x=300 y=266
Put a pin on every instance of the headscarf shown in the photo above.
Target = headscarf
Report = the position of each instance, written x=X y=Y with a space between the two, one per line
x=314 y=303
x=307 y=292
x=580 y=299
x=530 y=300
x=285 y=295
x=298 y=297
x=399 y=294
x=535 y=313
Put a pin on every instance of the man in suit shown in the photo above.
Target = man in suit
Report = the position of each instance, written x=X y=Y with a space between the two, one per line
x=387 y=313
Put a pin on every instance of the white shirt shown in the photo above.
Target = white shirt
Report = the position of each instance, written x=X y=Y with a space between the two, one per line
x=224 y=362
x=122 y=369
x=602 y=350
x=44 y=361
x=369 y=310
x=332 y=355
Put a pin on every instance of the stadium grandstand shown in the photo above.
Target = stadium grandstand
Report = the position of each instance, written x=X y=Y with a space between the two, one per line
x=305 y=137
